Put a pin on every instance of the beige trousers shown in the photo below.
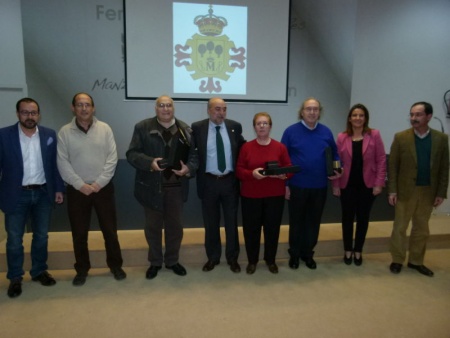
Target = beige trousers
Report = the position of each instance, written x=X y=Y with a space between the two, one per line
x=417 y=208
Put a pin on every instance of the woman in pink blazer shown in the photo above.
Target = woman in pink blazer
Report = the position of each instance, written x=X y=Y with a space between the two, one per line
x=363 y=159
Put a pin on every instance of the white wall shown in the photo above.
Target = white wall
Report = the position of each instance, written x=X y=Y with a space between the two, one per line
x=70 y=46
x=402 y=55
x=331 y=25
x=12 y=66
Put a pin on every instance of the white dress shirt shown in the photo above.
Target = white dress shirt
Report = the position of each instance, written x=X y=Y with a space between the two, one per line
x=211 y=151
x=33 y=167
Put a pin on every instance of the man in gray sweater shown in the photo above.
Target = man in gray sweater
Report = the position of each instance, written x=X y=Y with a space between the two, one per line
x=87 y=160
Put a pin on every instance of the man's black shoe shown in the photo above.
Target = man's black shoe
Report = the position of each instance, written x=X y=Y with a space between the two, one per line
x=310 y=263
x=294 y=263
x=45 y=279
x=152 y=272
x=251 y=268
x=395 y=268
x=79 y=279
x=118 y=273
x=177 y=269
x=273 y=267
x=422 y=269
x=234 y=266
x=15 y=288
x=209 y=265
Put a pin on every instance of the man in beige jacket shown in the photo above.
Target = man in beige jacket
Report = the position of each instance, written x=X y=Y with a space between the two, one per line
x=418 y=181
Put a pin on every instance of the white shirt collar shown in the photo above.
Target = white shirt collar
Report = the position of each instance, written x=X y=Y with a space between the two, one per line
x=315 y=126
x=421 y=135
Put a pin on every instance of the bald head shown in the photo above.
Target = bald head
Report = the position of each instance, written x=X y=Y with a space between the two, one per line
x=217 y=110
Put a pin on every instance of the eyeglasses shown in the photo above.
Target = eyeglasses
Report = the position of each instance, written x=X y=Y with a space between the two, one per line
x=28 y=113
x=162 y=105
x=311 y=109
x=83 y=105
x=262 y=124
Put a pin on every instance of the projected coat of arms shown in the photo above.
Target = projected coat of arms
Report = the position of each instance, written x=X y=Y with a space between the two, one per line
x=210 y=57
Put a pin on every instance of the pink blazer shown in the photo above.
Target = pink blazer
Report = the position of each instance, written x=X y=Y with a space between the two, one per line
x=374 y=159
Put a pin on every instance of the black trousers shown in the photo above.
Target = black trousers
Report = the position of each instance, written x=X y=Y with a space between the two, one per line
x=257 y=213
x=305 y=213
x=356 y=203
x=170 y=220
x=79 y=208
x=221 y=192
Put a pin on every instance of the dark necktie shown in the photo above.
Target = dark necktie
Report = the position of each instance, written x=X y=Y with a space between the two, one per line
x=221 y=165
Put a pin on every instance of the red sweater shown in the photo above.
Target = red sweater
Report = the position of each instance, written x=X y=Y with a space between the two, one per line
x=253 y=155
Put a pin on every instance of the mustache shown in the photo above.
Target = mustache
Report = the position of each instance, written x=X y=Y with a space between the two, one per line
x=414 y=121
x=29 y=123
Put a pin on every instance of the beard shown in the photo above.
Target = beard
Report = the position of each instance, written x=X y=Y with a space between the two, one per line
x=28 y=124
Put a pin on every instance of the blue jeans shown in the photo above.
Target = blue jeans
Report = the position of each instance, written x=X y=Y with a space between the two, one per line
x=36 y=205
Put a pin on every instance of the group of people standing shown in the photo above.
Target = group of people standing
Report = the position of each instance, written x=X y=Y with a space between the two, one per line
x=37 y=167
x=166 y=153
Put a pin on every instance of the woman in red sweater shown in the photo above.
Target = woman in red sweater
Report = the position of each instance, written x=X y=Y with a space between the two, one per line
x=262 y=197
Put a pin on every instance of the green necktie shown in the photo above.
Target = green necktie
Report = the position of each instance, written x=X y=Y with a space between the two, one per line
x=221 y=165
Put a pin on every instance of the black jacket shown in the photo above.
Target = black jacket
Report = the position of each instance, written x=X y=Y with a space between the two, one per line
x=146 y=145
x=200 y=129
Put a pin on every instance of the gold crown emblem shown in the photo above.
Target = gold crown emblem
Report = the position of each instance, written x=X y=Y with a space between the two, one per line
x=210 y=24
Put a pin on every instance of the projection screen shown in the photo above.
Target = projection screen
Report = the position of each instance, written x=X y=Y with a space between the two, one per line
x=236 y=49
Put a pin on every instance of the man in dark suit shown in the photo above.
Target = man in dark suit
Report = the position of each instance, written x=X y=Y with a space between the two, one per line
x=418 y=182
x=218 y=141
x=29 y=185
